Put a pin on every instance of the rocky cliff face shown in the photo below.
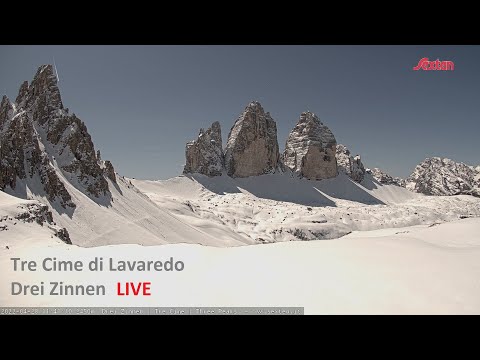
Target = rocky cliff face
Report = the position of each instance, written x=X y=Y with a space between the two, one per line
x=437 y=176
x=6 y=110
x=109 y=171
x=350 y=165
x=252 y=146
x=310 y=149
x=40 y=142
x=383 y=178
x=205 y=155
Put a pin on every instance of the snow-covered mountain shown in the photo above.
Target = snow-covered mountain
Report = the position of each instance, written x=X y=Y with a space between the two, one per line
x=41 y=141
x=353 y=167
x=383 y=178
x=437 y=176
x=48 y=155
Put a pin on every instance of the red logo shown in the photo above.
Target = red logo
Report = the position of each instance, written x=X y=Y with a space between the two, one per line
x=425 y=64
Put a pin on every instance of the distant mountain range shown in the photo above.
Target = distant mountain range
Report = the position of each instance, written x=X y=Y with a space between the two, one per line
x=311 y=152
x=47 y=154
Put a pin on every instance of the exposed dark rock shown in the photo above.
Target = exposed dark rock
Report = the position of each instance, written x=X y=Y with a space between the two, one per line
x=205 y=155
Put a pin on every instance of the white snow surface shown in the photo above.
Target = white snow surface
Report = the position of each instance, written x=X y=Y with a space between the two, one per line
x=222 y=211
x=281 y=207
x=17 y=234
x=130 y=218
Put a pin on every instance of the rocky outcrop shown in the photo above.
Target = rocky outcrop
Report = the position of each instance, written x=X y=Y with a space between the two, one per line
x=38 y=122
x=40 y=213
x=383 y=178
x=35 y=212
x=63 y=235
x=311 y=148
x=205 y=155
x=350 y=165
x=437 y=176
x=252 y=146
x=110 y=171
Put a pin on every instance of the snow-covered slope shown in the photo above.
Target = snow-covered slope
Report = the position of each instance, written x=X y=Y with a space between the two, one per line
x=24 y=223
x=130 y=217
x=281 y=207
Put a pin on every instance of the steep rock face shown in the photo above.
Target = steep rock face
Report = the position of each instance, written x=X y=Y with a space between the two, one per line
x=22 y=158
x=349 y=165
x=41 y=141
x=6 y=110
x=383 y=178
x=110 y=171
x=310 y=149
x=437 y=176
x=252 y=146
x=22 y=93
x=71 y=136
x=205 y=155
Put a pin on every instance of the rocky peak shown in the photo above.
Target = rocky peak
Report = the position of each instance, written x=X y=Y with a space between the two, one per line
x=252 y=146
x=38 y=123
x=255 y=106
x=107 y=167
x=350 y=165
x=43 y=96
x=205 y=154
x=437 y=176
x=310 y=149
x=45 y=82
x=110 y=171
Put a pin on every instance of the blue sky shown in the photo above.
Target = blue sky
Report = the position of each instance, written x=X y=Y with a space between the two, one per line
x=141 y=104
